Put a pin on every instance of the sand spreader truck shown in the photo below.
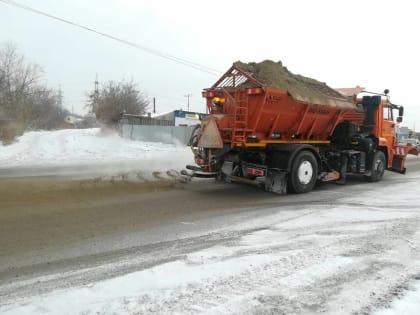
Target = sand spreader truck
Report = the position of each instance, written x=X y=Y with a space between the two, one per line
x=284 y=132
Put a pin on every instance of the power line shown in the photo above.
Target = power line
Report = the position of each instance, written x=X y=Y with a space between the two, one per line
x=155 y=52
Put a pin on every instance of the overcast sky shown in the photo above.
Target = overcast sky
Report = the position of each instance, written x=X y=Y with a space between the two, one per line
x=374 y=44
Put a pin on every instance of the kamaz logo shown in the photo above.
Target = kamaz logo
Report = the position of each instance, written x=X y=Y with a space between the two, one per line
x=273 y=98
x=318 y=111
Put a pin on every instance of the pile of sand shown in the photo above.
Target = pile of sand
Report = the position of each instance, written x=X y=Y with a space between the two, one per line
x=273 y=74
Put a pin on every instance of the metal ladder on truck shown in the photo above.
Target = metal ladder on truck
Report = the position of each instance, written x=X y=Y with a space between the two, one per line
x=240 y=122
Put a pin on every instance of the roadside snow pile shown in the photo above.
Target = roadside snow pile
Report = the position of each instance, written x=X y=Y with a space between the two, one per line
x=409 y=304
x=90 y=147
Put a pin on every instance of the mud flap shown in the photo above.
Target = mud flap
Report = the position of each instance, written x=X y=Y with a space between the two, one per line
x=276 y=181
x=398 y=164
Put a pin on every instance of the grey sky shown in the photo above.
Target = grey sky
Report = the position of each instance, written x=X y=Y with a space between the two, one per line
x=343 y=43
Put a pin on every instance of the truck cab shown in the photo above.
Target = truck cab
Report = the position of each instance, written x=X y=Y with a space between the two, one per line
x=381 y=118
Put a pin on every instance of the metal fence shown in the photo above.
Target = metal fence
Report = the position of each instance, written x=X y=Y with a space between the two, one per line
x=164 y=134
x=144 y=120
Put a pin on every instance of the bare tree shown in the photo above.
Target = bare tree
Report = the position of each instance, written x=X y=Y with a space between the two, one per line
x=115 y=98
x=45 y=110
x=25 y=103
x=17 y=80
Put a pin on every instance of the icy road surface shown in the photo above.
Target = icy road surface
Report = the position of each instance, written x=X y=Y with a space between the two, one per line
x=114 y=245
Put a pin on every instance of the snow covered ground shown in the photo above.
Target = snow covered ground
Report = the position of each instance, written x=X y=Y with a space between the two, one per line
x=90 y=150
x=333 y=258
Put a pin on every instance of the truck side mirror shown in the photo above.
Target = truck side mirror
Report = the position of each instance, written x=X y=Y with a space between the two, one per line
x=399 y=119
x=401 y=111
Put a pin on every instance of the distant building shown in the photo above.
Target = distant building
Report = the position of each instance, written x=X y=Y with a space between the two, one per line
x=403 y=133
x=173 y=118
x=80 y=122
x=181 y=118
x=350 y=91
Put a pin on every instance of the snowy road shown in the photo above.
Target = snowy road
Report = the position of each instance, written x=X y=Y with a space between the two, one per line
x=96 y=224
x=212 y=248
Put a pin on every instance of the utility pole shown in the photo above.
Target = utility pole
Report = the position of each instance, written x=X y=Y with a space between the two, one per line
x=94 y=103
x=154 y=105
x=60 y=97
x=188 y=101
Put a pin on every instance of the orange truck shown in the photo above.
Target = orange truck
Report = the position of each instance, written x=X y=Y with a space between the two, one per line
x=284 y=132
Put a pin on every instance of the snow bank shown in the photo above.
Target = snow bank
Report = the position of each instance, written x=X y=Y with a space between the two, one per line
x=409 y=304
x=91 y=147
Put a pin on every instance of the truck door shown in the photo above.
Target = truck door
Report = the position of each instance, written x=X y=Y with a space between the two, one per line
x=395 y=160
x=388 y=126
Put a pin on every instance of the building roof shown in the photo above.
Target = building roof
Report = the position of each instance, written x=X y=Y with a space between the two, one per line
x=350 y=91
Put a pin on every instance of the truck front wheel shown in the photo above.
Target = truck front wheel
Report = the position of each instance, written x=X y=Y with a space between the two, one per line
x=378 y=167
x=304 y=173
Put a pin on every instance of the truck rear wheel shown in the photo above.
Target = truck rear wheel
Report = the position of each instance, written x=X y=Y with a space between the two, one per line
x=378 y=167
x=304 y=172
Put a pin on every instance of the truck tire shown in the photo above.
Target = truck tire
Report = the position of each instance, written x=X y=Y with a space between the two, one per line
x=378 y=167
x=304 y=173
